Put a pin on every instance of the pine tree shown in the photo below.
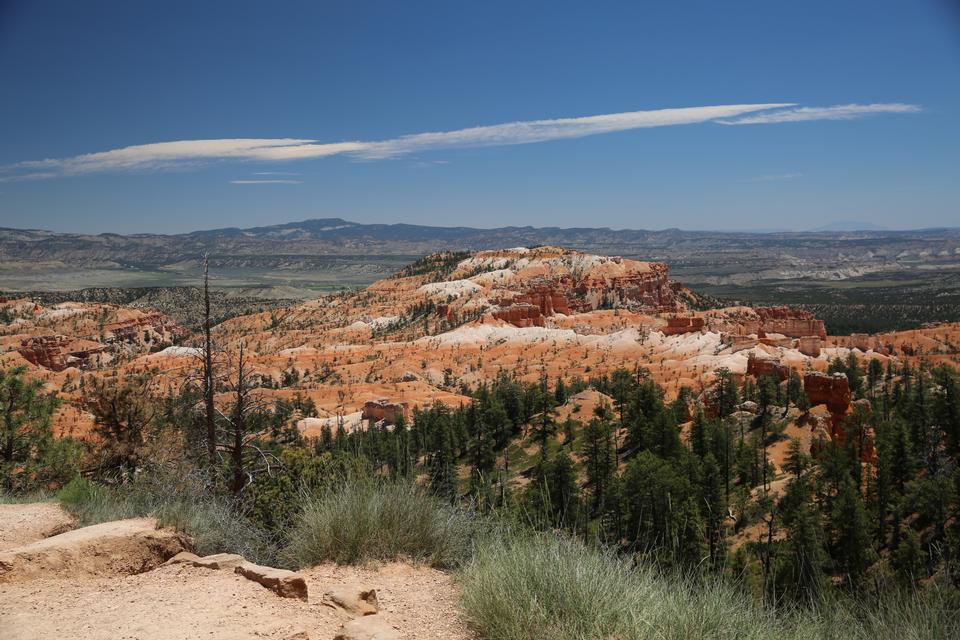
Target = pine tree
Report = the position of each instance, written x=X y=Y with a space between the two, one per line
x=797 y=460
x=947 y=407
x=122 y=414
x=482 y=451
x=796 y=393
x=601 y=462
x=442 y=464
x=560 y=392
x=802 y=573
x=725 y=392
x=25 y=413
x=851 y=539
x=854 y=374
x=908 y=559
x=714 y=509
x=698 y=434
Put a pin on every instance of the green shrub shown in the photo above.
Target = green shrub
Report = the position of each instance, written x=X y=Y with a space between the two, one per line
x=548 y=588
x=94 y=503
x=187 y=504
x=370 y=520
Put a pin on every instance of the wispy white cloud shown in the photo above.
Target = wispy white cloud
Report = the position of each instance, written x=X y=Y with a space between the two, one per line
x=775 y=178
x=187 y=153
x=838 y=112
x=266 y=182
x=543 y=130
x=35 y=175
x=160 y=155
x=276 y=173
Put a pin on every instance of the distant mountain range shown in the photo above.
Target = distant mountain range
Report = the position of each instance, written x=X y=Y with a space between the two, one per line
x=334 y=245
x=850 y=225
x=335 y=236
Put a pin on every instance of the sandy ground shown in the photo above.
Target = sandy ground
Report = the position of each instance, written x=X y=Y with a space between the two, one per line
x=185 y=602
x=419 y=601
x=21 y=524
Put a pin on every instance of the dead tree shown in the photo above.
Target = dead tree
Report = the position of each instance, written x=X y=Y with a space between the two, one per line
x=241 y=427
x=209 y=386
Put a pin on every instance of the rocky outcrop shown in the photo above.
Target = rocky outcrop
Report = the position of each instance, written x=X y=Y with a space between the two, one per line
x=790 y=322
x=738 y=342
x=757 y=367
x=216 y=561
x=810 y=346
x=830 y=390
x=147 y=327
x=521 y=315
x=282 y=582
x=861 y=341
x=45 y=351
x=123 y=547
x=683 y=324
x=358 y=601
x=771 y=323
x=75 y=335
x=383 y=409
x=56 y=352
x=649 y=291
x=545 y=297
x=589 y=283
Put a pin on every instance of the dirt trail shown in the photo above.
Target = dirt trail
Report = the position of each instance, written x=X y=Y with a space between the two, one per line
x=22 y=524
x=179 y=602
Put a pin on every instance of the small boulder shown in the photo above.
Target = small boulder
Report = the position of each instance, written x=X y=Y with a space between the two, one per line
x=749 y=406
x=354 y=600
x=220 y=561
x=285 y=584
x=215 y=561
x=184 y=557
x=367 y=628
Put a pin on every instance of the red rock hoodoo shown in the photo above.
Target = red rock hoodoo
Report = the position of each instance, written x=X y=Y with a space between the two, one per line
x=767 y=367
x=385 y=410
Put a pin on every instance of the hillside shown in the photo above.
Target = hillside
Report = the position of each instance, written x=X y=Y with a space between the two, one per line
x=472 y=395
x=855 y=280
x=452 y=321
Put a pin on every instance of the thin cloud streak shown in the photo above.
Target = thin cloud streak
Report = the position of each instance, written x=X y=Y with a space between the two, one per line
x=839 y=112
x=189 y=153
x=544 y=130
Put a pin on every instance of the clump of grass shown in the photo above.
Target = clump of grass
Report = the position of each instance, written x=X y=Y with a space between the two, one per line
x=548 y=588
x=94 y=503
x=380 y=521
x=23 y=498
x=187 y=504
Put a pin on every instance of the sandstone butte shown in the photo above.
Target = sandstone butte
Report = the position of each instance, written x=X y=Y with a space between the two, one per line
x=413 y=339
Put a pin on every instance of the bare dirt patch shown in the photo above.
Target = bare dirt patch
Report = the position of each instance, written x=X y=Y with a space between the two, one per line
x=180 y=601
x=22 y=524
x=66 y=596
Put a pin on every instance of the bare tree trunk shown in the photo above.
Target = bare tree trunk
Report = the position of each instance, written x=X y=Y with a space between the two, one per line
x=239 y=425
x=208 y=377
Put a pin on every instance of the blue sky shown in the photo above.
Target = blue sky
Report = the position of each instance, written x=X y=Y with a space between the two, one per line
x=277 y=83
